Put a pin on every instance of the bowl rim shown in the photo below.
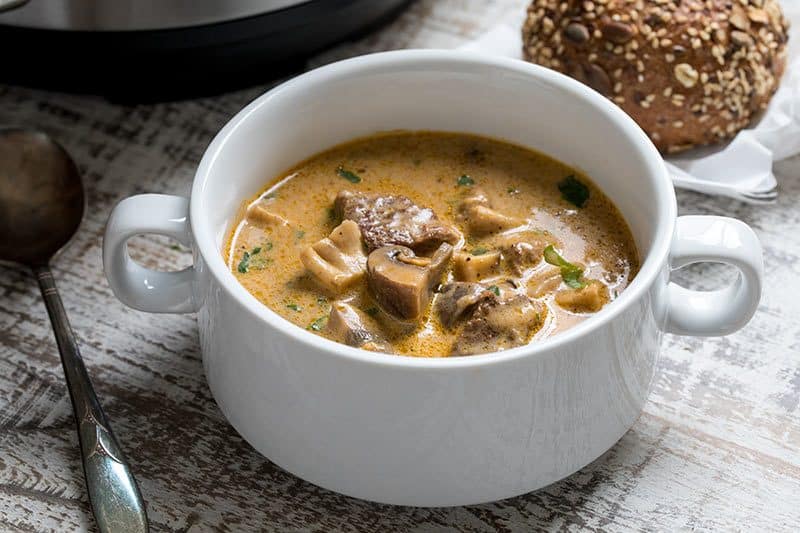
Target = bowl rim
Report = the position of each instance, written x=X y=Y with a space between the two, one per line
x=650 y=268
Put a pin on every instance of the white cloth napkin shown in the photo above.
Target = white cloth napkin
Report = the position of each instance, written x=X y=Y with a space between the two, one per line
x=745 y=163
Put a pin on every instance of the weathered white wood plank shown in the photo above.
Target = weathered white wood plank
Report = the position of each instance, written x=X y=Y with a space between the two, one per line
x=716 y=449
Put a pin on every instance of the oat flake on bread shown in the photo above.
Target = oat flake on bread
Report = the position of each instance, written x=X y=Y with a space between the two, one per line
x=689 y=72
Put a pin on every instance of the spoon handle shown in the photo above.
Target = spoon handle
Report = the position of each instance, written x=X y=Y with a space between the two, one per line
x=115 y=497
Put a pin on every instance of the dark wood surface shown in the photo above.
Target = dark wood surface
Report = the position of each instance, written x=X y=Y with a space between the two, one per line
x=715 y=449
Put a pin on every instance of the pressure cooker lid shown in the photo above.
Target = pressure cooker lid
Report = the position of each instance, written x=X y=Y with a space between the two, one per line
x=132 y=15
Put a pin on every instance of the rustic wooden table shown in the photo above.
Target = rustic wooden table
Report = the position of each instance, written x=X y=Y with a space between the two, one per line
x=715 y=449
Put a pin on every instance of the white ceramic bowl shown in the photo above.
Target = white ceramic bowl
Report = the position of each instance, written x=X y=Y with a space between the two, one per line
x=433 y=432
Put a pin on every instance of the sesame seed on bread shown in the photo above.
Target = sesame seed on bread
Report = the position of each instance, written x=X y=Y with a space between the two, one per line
x=689 y=72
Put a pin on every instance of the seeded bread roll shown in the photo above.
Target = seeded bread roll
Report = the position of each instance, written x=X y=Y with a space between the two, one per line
x=689 y=72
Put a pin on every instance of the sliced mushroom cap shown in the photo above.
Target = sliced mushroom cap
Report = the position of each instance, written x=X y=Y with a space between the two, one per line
x=468 y=267
x=588 y=299
x=522 y=249
x=337 y=261
x=481 y=219
x=260 y=215
x=401 y=282
x=348 y=325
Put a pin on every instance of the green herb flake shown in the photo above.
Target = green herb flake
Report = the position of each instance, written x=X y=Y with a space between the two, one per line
x=465 y=181
x=512 y=191
x=573 y=278
x=244 y=264
x=373 y=311
x=176 y=247
x=573 y=191
x=299 y=234
x=318 y=324
x=479 y=250
x=571 y=274
x=250 y=261
x=495 y=289
x=294 y=307
x=322 y=301
x=350 y=176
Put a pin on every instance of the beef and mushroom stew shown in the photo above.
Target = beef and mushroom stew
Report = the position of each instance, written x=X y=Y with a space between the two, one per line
x=432 y=244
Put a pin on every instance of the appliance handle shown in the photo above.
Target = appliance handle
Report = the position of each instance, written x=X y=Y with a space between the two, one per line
x=8 y=5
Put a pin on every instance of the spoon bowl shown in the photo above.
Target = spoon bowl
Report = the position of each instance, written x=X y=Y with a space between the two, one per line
x=41 y=197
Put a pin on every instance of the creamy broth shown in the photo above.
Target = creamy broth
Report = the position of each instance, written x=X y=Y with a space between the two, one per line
x=512 y=217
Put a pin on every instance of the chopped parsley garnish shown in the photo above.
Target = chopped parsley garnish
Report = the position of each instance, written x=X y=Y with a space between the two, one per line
x=322 y=301
x=512 y=191
x=250 y=261
x=495 y=289
x=479 y=250
x=373 y=311
x=350 y=176
x=465 y=181
x=570 y=273
x=244 y=264
x=573 y=191
x=294 y=307
x=318 y=324
x=299 y=234
x=176 y=247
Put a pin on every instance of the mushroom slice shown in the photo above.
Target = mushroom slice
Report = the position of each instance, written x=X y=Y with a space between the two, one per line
x=259 y=215
x=348 y=325
x=457 y=299
x=337 y=261
x=588 y=299
x=468 y=267
x=500 y=324
x=522 y=249
x=481 y=219
x=401 y=282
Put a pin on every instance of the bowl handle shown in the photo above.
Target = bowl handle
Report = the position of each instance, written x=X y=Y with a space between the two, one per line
x=135 y=285
x=719 y=312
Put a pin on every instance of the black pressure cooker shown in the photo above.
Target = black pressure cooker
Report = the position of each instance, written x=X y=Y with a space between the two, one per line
x=160 y=49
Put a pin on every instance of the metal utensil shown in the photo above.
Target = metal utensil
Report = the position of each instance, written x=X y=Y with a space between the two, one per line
x=41 y=206
x=750 y=190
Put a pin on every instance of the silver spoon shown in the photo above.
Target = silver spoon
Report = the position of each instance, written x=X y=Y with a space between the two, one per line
x=41 y=206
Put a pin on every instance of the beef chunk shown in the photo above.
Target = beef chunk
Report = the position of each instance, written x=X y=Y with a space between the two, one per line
x=458 y=299
x=500 y=324
x=387 y=220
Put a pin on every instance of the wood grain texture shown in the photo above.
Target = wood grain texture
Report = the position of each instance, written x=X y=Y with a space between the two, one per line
x=716 y=448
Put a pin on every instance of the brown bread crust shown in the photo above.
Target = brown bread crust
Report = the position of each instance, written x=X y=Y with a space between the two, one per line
x=689 y=72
